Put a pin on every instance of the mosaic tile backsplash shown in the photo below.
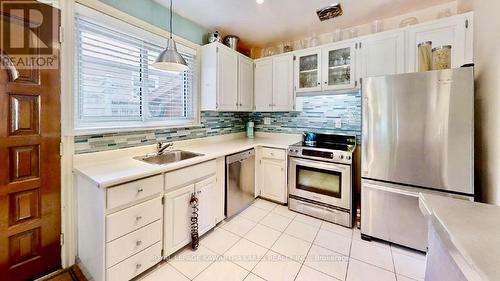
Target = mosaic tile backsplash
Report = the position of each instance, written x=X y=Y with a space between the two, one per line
x=213 y=124
x=319 y=114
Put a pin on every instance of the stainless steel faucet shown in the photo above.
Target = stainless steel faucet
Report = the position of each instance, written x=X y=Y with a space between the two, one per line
x=161 y=147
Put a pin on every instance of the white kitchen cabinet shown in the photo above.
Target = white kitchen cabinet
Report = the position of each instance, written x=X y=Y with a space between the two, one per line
x=245 y=83
x=119 y=233
x=308 y=70
x=226 y=79
x=177 y=219
x=205 y=191
x=381 y=54
x=180 y=185
x=338 y=66
x=272 y=174
x=274 y=84
x=263 y=99
x=283 y=94
x=455 y=31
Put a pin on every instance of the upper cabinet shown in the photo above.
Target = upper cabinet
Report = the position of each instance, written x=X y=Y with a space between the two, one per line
x=233 y=82
x=226 y=79
x=455 y=31
x=274 y=84
x=308 y=70
x=339 y=66
x=245 y=83
x=381 y=54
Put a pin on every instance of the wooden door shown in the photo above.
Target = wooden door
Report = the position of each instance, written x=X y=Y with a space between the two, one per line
x=227 y=79
x=284 y=97
x=245 y=83
x=263 y=99
x=30 y=207
x=382 y=54
x=205 y=193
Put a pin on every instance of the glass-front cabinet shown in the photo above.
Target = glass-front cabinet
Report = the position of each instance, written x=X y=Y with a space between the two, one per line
x=338 y=66
x=308 y=71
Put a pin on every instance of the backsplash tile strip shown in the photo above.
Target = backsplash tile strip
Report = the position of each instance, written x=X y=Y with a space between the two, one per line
x=318 y=114
x=213 y=123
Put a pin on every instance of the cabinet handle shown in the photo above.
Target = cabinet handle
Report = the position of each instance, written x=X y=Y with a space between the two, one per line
x=319 y=83
x=138 y=218
x=270 y=104
x=138 y=243
x=326 y=83
x=137 y=266
x=139 y=190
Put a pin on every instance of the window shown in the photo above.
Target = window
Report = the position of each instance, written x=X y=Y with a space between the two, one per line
x=115 y=85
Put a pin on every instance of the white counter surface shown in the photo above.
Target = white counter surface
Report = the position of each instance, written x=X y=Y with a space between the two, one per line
x=110 y=168
x=471 y=232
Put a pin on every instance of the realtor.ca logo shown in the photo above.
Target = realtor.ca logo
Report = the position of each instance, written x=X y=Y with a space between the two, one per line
x=29 y=35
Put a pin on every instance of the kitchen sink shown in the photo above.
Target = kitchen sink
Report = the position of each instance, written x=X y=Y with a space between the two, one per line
x=167 y=157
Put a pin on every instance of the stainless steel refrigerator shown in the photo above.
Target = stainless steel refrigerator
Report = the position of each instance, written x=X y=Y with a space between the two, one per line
x=417 y=136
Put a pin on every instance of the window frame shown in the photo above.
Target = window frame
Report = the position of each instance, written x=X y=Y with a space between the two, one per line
x=121 y=26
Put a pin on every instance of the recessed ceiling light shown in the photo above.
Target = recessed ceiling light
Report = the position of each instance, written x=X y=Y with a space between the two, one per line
x=259 y=1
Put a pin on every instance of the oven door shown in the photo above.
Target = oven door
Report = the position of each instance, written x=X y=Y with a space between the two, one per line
x=324 y=182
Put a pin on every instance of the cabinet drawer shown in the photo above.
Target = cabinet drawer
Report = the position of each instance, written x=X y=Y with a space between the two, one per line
x=130 y=219
x=271 y=153
x=132 y=191
x=132 y=243
x=135 y=265
x=189 y=174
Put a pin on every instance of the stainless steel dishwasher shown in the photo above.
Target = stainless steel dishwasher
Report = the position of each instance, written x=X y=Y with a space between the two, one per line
x=240 y=181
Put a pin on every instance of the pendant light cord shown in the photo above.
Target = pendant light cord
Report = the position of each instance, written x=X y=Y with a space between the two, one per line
x=171 y=15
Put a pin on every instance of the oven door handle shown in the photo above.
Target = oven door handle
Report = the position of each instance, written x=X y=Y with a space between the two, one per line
x=320 y=165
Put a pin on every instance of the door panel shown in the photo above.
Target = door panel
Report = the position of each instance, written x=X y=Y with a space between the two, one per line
x=177 y=219
x=227 y=86
x=30 y=208
x=383 y=54
x=206 y=215
x=308 y=71
x=264 y=85
x=418 y=129
x=245 y=79
x=338 y=67
x=283 y=83
x=273 y=180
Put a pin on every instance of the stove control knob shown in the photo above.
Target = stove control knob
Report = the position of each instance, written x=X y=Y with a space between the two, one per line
x=348 y=157
x=341 y=157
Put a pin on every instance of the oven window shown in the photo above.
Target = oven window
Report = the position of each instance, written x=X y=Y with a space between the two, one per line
x=319 y=181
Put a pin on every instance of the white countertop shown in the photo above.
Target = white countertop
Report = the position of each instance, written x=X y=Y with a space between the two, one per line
x=470 y=230
x=110 y=168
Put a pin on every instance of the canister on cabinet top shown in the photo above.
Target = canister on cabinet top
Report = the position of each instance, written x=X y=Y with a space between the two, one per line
x=424 y=56
x=441 y=57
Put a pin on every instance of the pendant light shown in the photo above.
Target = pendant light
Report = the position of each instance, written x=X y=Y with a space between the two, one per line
x=170 y=59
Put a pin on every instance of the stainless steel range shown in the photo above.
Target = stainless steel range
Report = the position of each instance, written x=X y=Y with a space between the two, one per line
x=320 y=177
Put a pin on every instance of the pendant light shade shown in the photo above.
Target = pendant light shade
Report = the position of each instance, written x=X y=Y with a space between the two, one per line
x=170 y=59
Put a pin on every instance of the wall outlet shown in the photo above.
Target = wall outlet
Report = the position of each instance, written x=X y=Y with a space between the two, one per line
x=267 y=120
x=338 y=123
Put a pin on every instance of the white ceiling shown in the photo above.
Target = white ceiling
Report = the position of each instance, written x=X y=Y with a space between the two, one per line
x=277 y=20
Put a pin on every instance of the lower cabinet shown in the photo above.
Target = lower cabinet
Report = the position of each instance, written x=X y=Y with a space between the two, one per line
x=177 y=219
x=272 y=174
x=178 y=211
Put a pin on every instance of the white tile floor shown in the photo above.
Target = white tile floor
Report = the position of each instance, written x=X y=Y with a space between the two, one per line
x=269 y=242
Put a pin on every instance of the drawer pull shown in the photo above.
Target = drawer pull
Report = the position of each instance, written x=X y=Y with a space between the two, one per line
x=137 y=266
x=138 y=243
x=138 y=218
x=140 y=189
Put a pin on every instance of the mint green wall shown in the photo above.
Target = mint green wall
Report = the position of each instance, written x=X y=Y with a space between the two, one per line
x=156 y=14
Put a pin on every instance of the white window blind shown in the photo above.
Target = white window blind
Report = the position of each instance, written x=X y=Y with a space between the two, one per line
x=117 y=87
